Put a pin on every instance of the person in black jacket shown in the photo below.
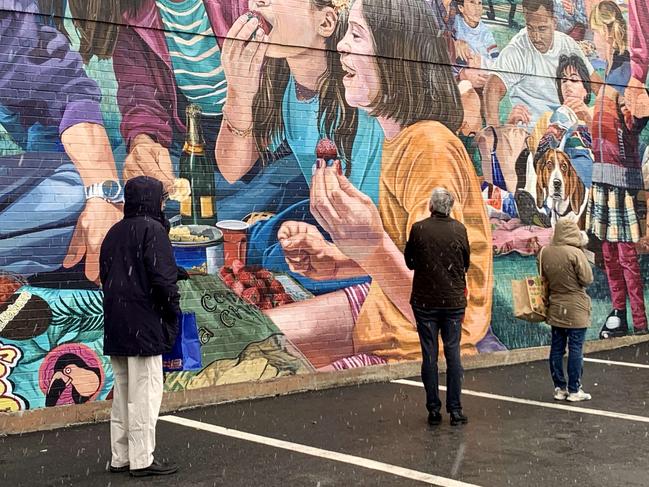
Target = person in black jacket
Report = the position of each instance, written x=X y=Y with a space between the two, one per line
x=438 y=251
x=141 y=304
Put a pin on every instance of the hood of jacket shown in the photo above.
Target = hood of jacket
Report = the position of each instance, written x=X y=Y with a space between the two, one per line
x=143 y=197
x=566 y=232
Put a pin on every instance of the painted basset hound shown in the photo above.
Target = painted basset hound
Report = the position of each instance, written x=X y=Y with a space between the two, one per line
x=558 y=187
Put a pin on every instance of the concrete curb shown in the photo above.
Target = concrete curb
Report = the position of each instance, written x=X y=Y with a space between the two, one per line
x=59 y=417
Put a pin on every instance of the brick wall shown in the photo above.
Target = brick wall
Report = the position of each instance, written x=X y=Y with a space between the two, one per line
x=413 y=95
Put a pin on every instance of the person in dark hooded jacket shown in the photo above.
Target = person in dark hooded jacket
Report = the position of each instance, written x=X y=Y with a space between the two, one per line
x=141 y=304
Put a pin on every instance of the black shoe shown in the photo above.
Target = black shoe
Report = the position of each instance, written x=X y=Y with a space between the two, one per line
x=123 y=469
x=641 y=331
x=156 y=468
x=434 y=418
x=619 y=331
x=458 y=418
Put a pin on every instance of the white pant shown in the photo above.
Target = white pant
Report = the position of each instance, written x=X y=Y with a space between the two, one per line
x=137 y=395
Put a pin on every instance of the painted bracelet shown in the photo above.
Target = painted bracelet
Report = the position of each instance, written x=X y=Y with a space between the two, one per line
x=239 y=133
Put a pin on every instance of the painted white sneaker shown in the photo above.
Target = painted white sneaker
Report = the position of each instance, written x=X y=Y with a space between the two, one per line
x=560 y=394
x=580 y=395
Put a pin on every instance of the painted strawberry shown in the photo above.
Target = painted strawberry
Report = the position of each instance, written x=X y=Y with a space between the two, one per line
x=247 y=278
x=251 y=295
x=266 y=303
x=265 y=275
x=262 y=286
x=327 y=150
x=276 y=287
x=228 y=280
x=237 y=266
x=238 y=288
x=263 y=22
x=282 y=298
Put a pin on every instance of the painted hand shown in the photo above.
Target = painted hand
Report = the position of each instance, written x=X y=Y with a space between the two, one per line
x=463 y=51
x=148 y=158
x=520 y=114
x=92 y=226
x=242 y=60
x=582 y=110
x=637 y=99
x=478 y=78
x=309 y=254
x=349 y=216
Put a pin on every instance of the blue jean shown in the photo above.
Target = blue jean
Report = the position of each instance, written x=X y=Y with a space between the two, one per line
x=41 y=198
x=430 y=322
x=574 y=338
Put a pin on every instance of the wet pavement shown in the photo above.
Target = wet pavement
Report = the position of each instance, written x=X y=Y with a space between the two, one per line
x=377 y=434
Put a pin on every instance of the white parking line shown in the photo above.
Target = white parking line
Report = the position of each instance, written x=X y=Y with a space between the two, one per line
x=550 y=405
x=613 y=362
x=318 y=452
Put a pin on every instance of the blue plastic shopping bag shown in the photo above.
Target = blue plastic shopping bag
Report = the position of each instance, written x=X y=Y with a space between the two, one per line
x=186 y=352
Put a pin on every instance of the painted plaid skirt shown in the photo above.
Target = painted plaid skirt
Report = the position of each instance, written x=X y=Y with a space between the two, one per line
x=612 y=214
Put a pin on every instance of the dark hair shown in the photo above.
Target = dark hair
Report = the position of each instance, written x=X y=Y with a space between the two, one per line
x=97 y=23
x=55 y=9
x=573 y=61
x=336 y=118
x=417 y=81
x=535 y=5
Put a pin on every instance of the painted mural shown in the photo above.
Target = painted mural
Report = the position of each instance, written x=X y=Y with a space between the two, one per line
x=322 y=127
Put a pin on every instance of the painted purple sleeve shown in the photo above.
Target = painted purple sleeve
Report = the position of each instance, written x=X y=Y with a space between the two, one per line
x=41 y=79
x=639 y=38
x=143 y=91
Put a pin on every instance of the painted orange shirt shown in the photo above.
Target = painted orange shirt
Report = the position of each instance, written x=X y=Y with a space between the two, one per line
x=419 y=158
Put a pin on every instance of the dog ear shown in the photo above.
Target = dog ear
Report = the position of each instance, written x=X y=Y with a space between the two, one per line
x=578 y=192
x=541 y=180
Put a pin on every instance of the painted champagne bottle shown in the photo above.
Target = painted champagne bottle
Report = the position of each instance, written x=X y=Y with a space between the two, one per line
x=197 y=167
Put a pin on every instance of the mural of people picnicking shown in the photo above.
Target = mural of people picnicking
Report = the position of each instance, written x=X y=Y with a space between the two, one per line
x=299 y=141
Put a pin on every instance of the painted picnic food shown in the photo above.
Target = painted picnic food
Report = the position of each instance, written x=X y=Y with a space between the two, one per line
x=255 y=285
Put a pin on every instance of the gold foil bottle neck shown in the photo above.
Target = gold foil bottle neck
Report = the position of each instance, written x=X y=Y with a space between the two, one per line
x=194 y=143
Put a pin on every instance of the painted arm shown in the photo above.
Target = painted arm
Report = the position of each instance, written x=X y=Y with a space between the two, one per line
x=58 y=92
x=354 y=223
x=42 y=80
x=321 y=328
x=146 y=119
x=494 y=92
x=639 y=39
x=236 y=151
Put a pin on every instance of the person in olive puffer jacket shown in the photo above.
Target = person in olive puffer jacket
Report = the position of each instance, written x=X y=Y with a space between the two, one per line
x=567 y=273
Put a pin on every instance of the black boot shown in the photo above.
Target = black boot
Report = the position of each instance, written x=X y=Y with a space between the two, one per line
x=156 y=468
x=434 y=418
x=458 y=418
x=609 y=331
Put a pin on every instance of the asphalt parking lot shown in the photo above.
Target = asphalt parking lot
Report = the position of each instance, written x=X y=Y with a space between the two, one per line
x=377 y=434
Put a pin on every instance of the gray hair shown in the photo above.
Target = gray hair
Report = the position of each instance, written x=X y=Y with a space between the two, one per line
x=441 y=201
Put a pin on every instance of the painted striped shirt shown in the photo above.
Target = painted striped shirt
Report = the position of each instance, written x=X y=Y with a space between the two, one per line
x=195 y=53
